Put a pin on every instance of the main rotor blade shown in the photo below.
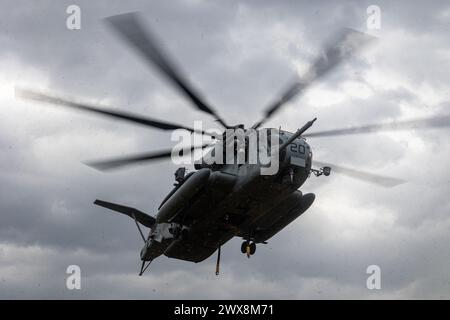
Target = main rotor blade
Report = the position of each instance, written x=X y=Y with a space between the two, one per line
x=121 y=115
x=347 y=43
x=105 y=165
x=130 y=28
x=361 y=175
x=423 y=123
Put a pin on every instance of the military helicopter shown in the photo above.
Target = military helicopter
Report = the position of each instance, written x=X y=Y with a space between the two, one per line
x=216 y=202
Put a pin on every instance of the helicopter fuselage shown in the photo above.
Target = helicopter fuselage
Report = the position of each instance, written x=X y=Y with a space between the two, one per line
x=215 y=203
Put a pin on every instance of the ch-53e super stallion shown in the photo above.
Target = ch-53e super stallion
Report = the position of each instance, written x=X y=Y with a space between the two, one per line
x=216 y=202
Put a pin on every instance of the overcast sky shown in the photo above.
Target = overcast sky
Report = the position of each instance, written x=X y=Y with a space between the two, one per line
x=240 y=55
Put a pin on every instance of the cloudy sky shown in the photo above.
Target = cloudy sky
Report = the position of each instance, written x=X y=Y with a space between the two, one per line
x=241 y=55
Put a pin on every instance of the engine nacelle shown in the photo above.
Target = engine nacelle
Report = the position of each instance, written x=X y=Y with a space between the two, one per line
x=284 y=214
x=183 y=195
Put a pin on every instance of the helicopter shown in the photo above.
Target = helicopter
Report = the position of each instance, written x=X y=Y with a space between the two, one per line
x=216 y=202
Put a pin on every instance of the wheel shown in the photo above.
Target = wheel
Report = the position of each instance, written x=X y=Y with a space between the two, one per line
x=244 y=247
x=252 y=248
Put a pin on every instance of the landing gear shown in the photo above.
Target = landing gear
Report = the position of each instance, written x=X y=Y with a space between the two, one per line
x=244 y=246
x=248 y=248
x=252 y=248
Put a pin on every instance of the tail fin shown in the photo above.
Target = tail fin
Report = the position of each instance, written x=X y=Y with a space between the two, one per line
x=143 y=218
